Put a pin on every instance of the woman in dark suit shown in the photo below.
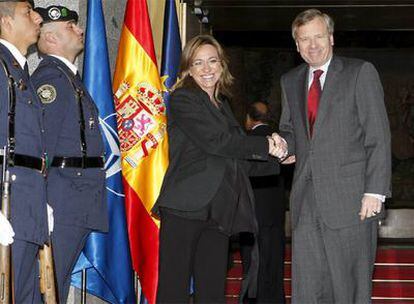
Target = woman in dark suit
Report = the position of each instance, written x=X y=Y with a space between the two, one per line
x=206 y=194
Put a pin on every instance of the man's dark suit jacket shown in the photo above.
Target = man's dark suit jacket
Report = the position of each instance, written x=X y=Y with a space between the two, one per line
x=268 y=191
x=270 y=205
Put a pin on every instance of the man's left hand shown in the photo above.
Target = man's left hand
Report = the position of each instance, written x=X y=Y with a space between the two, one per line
x=371 y=206
x=289 y=160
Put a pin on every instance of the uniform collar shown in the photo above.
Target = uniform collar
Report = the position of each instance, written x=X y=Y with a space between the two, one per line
x=15 y=52
x=69 y=64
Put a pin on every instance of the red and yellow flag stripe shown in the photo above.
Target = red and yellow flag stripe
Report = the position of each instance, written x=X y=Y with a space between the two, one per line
x=143 y=139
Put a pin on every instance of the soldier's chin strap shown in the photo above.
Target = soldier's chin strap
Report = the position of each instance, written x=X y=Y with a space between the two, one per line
x=79 y=94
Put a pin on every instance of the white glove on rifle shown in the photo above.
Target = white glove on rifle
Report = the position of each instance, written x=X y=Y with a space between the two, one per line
x=6 y=231
x=50 y=219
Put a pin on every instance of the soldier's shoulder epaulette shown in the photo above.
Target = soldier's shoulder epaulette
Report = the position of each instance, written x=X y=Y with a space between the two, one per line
x=6 y=64
x=47 y=71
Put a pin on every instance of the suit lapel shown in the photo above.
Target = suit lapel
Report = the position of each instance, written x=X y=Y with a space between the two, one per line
x=327 y=93
x=302 y=82
x=226 y=115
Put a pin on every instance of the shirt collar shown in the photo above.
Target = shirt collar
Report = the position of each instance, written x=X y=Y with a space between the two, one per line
x=15 y=52
x=69 y=64
x=324 y=68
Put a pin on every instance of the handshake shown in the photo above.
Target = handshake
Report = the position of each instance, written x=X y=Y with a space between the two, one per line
x=279 y=149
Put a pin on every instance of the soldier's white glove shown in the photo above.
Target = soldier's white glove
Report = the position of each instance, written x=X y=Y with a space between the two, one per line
x=6 y=231
x=50 y=219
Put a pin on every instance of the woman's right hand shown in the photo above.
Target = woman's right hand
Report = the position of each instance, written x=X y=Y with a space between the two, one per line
x=277 y=146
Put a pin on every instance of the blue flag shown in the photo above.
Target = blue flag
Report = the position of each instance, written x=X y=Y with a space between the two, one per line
x=106 y=256
x=171 y=47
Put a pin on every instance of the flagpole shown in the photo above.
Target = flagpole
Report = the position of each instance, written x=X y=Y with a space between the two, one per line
x=182 y=21
x=83 y=294
x=137 y=287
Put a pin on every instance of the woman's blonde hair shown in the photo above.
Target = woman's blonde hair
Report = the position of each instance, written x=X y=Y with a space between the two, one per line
x=185 y=80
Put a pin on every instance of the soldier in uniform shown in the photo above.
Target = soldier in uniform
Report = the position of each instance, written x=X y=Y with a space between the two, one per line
x=76 y=177
x=21 y=127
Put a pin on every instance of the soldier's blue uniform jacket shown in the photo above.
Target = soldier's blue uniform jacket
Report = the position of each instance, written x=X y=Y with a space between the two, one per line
x=77 y=195
x=28 y=194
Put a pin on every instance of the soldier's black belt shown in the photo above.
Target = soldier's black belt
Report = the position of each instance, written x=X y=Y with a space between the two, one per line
x=78 y=162
x=27 y=161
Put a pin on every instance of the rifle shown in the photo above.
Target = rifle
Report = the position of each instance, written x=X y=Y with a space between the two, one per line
x=47 y=274
x=6 y=269
x=5 y=251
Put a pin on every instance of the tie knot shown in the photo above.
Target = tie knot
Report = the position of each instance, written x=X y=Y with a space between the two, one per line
x=317 y=74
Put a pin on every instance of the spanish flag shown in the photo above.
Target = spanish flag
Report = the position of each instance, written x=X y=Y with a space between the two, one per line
x=141 y=118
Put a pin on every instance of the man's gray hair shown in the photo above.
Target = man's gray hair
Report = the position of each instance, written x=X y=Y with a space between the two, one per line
x=309 y=15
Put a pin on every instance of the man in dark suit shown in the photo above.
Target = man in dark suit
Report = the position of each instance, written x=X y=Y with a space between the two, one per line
x=270 y=214
x=76 y=178
x=334 y=121
x=21 y=130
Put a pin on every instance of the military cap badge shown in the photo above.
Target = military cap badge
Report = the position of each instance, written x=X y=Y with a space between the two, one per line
x=54 y=13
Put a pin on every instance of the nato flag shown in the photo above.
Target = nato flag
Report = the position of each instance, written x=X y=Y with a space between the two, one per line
x=106 y=256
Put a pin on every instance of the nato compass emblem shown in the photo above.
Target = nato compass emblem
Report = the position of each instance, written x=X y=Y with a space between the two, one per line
x=112 y=155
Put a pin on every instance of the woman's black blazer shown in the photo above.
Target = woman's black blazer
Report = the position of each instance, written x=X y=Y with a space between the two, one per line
x=203 y=142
